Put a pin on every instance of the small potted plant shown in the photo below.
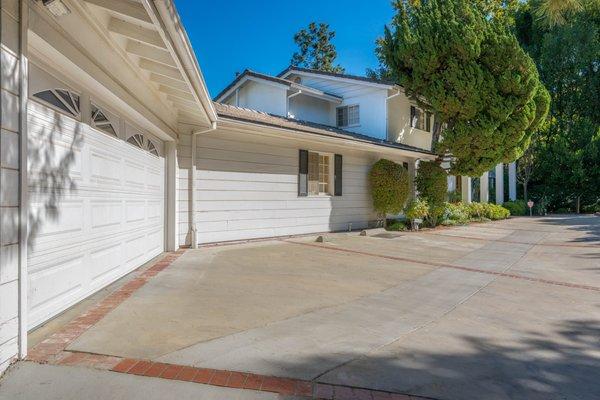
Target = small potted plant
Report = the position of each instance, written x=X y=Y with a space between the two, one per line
x=416 y=211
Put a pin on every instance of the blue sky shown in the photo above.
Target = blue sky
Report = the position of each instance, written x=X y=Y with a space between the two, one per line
x=230 y=36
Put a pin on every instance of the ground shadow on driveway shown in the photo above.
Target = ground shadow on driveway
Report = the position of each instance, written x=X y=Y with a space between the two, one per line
x=568 y=369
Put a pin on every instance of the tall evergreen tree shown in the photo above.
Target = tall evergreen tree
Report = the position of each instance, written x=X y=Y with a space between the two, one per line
x=315 y=50
x=567 y=52
x=469 y=69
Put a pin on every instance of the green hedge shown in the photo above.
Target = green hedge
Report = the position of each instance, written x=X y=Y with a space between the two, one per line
x=460 y=213
x=389 y=186
x=518 y=207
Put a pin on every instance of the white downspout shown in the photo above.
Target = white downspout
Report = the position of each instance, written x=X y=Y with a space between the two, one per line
x=387 y=112
x=192 y=187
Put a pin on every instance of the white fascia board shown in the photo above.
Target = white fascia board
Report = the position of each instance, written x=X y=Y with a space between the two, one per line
x=319 y=94
x=338 y=79
x=166 y=19
x=355 y=144
x=71 y=62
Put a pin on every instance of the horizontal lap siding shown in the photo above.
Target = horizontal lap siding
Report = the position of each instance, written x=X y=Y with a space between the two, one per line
x=247 y=187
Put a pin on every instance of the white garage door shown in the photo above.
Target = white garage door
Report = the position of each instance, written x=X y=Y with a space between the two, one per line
x=96 y=210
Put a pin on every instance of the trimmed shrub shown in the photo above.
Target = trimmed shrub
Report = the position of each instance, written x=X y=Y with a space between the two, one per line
x=496 y=212
x=432 y=184
x=456 y=214
x=389 y=187
x=417 y=209
x=397 y=225
x=518 y=207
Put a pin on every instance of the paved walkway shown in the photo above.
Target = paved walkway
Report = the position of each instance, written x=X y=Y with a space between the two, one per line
x=506 y=310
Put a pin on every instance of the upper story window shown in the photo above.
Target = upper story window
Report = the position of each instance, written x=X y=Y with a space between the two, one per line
x=60 y=99
x=417 y=118
x=139 y=140
x=101 y=122
x=348 y=116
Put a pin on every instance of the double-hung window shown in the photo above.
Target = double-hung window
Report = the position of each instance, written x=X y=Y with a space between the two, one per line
x=319 y=174
x=348 y=116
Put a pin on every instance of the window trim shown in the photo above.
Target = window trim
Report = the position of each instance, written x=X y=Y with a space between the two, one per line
x=347 y=106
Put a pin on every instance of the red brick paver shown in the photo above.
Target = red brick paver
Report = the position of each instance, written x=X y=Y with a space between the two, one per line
x=49 y=350
x=452 y=266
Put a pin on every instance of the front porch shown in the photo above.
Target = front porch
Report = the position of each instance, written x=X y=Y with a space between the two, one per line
x=497 y=186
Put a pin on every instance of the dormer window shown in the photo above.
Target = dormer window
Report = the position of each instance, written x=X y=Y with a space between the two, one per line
x=348 y=116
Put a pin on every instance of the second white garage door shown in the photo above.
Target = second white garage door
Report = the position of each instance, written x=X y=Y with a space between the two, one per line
x=96 y=210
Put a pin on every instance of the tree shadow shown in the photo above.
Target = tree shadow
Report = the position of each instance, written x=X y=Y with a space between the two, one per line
x=50 y=161
x=588 y=224
x=562 y=364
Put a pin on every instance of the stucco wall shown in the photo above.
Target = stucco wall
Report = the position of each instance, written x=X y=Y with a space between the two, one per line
x=370 y=99
x=262 y=97
x=9 y=184
x=247 y=187
x=399 y=127
x=305 y=108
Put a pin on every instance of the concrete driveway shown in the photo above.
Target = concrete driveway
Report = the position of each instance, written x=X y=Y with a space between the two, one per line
x=504 y=310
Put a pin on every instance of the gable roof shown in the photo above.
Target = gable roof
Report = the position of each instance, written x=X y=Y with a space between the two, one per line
x=292 y=68
x=290 y=84
x=226 y=111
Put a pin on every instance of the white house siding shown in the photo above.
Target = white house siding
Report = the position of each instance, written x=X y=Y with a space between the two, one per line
x=247 y=187
x=399 y=129
x=305 y=108
x=9 y=183
x=370 y=99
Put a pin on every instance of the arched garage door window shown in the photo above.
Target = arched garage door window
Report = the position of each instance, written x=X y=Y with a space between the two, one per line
x=101 y=121
x=63 y=100
x=139 y=140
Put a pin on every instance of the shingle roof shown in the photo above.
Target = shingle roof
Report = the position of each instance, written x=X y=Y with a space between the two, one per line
x=270 y=78
x=262 y=118
x=337 y=75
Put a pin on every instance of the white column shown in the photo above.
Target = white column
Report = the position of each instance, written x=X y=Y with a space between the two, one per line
x=413 y=170
x=484 y=188
x=500 y=184
x=192 y=196
x=451 y=183
x=171 y=202
x=512 y=181
x=466 y=189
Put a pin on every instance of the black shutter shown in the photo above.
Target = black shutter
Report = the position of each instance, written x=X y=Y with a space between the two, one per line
x=428 y=122
x=413 y=111
x=337 y=175
x=303 y=173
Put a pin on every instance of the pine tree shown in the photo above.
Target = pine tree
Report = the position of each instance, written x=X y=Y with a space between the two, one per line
x=469 y=70
x=315 y=50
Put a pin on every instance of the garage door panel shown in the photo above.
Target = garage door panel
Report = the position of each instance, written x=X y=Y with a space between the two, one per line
x=97 y=210
x=106 y=215
x=55 y=284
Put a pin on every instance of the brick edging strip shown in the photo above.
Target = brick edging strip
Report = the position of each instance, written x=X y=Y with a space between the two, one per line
x=451 y=266
x=228 y=379
x=52 y=346
x=512 y=241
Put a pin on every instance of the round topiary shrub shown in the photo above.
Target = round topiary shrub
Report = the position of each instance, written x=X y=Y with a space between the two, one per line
x=389 y=187
x=432 y=184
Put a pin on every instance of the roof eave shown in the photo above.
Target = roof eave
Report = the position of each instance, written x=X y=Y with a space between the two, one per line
x=335 y=138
